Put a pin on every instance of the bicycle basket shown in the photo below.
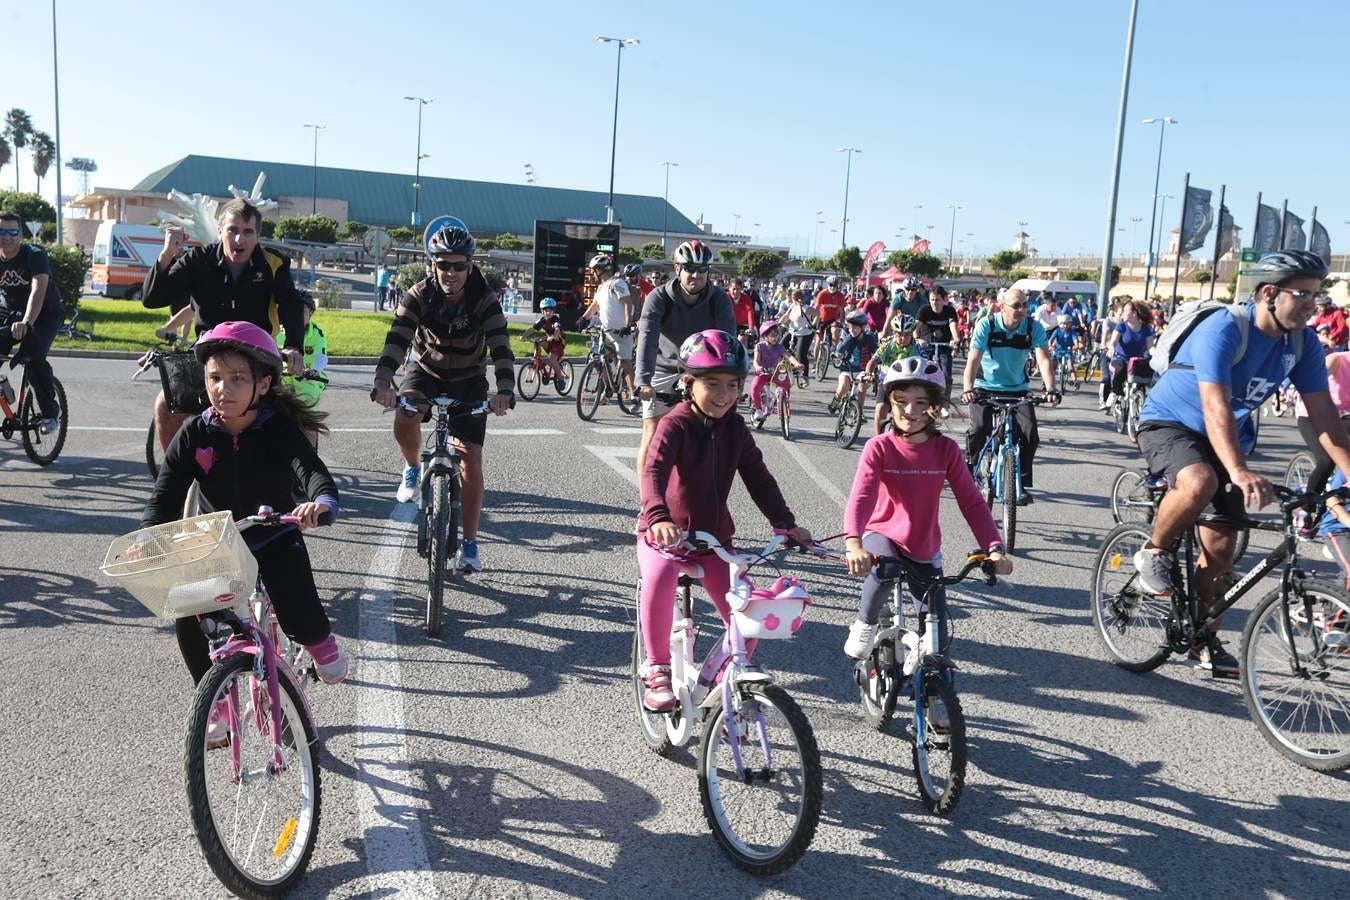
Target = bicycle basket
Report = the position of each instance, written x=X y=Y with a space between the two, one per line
x=184 y=382
x=773 y=614
x=185 y=568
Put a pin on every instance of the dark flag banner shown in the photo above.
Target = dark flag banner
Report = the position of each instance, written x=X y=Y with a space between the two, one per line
x=1267 y=236
x=1321 y=241
x=1197 y=220
x=1225 y=235
x=1294 y=238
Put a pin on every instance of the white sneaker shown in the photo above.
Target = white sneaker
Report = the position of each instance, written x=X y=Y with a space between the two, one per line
x=333 y=672
x=1154 y=572
x=466 y=560
x=407 y=489
x=860 y=638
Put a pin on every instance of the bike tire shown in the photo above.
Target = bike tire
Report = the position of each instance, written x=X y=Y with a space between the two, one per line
x=209 y=773
x=1134 y=406
x=154 y=454
x=527 y=381
x=1009 y=485
x=628 y=402
x=651 y=724
x=785 y=417
x=939 y=759
x=1131 y=501
x=438 y=553
x=822 y=361
x=984 y=477
x=1305 y=717
x=879 y=686
x=849 y=424
x=792 y=793
x=1131 y=623
x=590 y=390
x=563 y=385
x=1299 y=471
x=43 y=449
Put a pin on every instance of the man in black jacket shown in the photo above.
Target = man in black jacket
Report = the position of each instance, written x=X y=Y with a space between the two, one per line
x=230 y=280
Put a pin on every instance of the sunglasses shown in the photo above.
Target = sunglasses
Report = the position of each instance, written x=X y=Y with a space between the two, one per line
x=446 y=265
x=11 y=232
x=1299 y=296
x=696 y=270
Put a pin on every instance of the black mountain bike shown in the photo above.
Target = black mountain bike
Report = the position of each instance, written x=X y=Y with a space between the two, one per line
x=1295 y=649
x=602 y=379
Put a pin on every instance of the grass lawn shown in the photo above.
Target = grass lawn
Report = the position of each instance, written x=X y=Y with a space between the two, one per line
x=126 y=325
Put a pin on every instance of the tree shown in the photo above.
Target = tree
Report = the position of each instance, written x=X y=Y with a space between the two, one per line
x=315 y=229
x=30 y=207
x=6 y=154
x=730 y=254
x=18 y=128
x=268 y=228
x=815 y=264
x=627 y=255
x=847 y=260
x=410 y=274
x=1018 y=275
x=402 y=234
x=70 y=267
x=511 y=242
x=1201 y=277
x=1003 y=261
x=354 y=230
x=1079 y=275
x=922 y=265
x=652 y=250
x=44 y=153
x=495 y=278
x=761 y=264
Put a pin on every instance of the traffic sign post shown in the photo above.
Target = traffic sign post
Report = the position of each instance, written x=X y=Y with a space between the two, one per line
x=1246 y=257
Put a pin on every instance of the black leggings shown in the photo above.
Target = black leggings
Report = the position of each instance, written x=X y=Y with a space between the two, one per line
x=801 y=347
x=285 y=571
x=1322 y=464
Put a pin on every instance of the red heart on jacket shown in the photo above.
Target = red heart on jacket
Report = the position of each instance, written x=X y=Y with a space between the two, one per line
x=206 y=458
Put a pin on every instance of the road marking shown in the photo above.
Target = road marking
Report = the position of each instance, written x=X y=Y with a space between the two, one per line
x=616 y=429
x=389 y=806
x=504 y=432
x=141 y=430
x=814 y=474
x=610 y=456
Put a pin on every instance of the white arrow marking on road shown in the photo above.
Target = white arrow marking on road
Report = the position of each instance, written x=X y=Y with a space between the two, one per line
x=815 y=474
x=396 y=852
x=610 y=456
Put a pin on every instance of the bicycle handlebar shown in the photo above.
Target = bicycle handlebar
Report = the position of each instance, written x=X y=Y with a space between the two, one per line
x=976 y=559
x=266 y=517
x=456 y=408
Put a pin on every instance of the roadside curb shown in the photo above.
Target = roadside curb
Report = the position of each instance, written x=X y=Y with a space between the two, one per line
x=332 y=360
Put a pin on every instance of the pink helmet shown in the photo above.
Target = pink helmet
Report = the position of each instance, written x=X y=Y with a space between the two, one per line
x=913 y=370
x=246 y=338
x=768 y=326
x=711 y=351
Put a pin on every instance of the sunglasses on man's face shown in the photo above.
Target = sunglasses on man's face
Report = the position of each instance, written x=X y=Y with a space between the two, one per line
x=696 y=270
x=10 y=232
x=446 y=265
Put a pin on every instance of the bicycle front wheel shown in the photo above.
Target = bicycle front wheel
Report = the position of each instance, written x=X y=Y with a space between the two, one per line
x=441 y=547
x=1296 y=674
x=1299 y=471
x=1009 y=478
x=822 y=360
x=785 y=417
x=527 y=382
x=628 y=402
x=256 y=822
x=43 y=449
x=1131 y=622
x=1133 y=407
x=879 y=686
x=590 y=390
x=849 y=424
x=764 y=813
x=562 y=384
x=939 y=755
x=1131 y=500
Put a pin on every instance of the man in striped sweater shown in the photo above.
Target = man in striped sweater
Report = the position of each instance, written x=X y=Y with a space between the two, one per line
x=455 y=325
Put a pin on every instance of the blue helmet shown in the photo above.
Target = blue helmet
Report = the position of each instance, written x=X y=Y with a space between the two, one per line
x=548 y=303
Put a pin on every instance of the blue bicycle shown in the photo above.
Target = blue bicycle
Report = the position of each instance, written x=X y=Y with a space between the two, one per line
x=998 y=468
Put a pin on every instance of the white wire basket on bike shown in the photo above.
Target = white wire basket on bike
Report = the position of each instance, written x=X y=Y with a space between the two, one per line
x=185 y=568
x=773 y=614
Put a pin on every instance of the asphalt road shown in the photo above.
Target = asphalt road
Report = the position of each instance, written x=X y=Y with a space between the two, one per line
x=504 y=759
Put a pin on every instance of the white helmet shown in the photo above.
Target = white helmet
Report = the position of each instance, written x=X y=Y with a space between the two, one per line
x=832 y=281
x=1061 y=320
x=913 y=370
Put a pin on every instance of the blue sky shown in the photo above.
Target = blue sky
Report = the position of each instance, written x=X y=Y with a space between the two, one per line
x=1009 y=113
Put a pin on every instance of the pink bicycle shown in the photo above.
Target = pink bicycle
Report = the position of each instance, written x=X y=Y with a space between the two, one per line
x=776 y=397
x=252 y=749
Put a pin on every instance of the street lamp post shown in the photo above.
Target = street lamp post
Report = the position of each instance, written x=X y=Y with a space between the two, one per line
x=756 y=224
x=1155 y=249
x=1162 y=123
x=736 y=224
x=417 y=174
x=614 y=132
x=917 y=207
x=819 y=222
x=951 y=241
x=314 y=200
x=665 y=213
x=1134 y=240
x=848 y=174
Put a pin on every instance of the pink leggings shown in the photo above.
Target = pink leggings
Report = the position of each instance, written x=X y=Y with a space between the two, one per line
x=756 y=388
x=657 y=603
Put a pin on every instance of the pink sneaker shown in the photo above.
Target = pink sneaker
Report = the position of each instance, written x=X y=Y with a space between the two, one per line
x=657 y=694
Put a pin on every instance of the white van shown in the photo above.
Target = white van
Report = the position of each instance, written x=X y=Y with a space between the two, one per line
x=123 y=255
x=1037 y=289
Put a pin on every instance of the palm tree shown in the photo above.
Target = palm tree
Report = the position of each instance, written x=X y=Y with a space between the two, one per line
x=18 y=128
x=5 y=152
x=44 y=152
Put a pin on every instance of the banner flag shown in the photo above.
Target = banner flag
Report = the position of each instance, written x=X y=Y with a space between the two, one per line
x=1197 y=218
x=1225 y=235
x=873 y=254
x=1321 y=241
x=1267 y=236
x=1294 y=238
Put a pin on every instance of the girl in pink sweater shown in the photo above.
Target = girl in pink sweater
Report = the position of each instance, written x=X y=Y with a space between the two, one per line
x=893 y=507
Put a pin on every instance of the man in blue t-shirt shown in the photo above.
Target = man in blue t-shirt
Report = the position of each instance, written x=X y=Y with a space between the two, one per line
x=30 y=312
x=1196 y=427
x=997 y=366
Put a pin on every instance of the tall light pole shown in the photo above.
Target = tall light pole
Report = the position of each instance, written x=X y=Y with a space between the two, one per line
x=1155 y=250
x=848 y=174
x=56 y=95
x=614 y=133
x=736 y=226
x=665 y=213
x=417 y=176
x=951 y=241
x=917 y=207
x=314 y=201
x=756 y=232
x=971 y=253
x=1162 y=123
x=819 y=222
x=1134 y=240
x=529 y=173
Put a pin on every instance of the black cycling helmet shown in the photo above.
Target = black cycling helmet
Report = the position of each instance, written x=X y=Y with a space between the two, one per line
x=452 y=240
x=632 y=270
x=307 y=300
x=1282 y=265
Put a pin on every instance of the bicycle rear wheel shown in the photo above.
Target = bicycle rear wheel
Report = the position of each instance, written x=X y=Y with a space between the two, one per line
x=564 y=384
x=1299 y=695
x=527 y=381
x=42 y=449
x=590 y=390
x=850 y=422
x=1131 y=499
x=764 y=819
x=939 y=758
x=1131 y=622
x=1009 y=478
x=1299 y=471
x=256 y=824
x=440 y=547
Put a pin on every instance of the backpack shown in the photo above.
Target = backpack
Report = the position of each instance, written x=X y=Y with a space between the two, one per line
x=1191 y=314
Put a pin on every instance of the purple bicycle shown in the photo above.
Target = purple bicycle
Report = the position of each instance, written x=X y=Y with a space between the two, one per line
x=252 y=749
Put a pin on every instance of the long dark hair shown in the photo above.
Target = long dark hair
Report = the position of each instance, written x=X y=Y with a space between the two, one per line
x=280 y=398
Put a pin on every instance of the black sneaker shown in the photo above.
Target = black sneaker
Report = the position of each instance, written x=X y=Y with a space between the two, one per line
x=1211 y=655
x=1026 y=499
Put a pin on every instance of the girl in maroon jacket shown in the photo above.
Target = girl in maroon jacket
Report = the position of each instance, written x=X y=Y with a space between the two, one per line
x=693 y=460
